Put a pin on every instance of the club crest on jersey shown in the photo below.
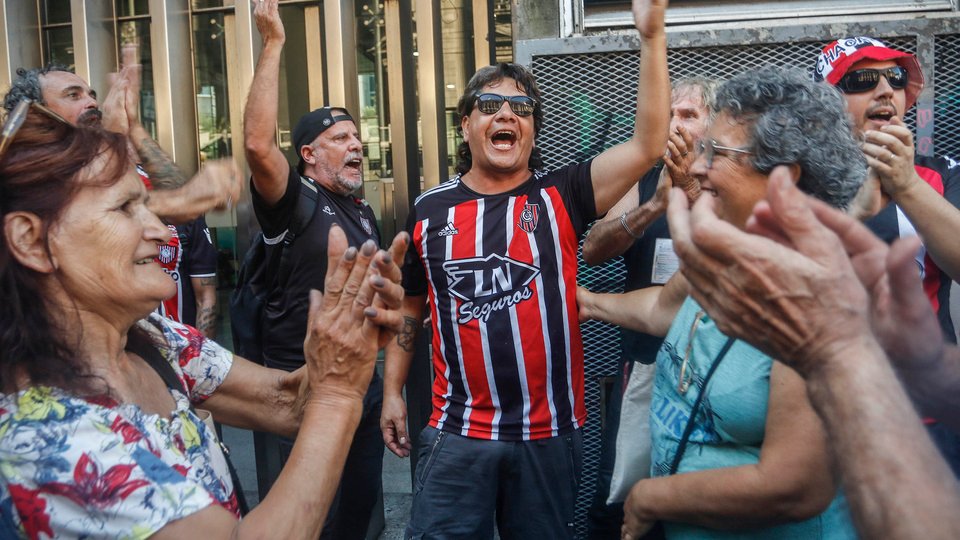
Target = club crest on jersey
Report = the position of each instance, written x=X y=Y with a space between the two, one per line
x=529 y=217
x=365 y=223
x=488 y=284
x=168 y=254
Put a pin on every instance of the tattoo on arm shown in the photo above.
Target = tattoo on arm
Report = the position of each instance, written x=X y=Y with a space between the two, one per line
x=206 y=321
x=164 y=174
x=406 y=338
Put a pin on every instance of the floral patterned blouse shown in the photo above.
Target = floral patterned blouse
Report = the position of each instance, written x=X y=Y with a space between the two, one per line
x=92 y=467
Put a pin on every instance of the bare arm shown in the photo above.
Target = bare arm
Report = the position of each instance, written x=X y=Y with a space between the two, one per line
x=163 y=172
x=890 y=152
x=267 y=163
x=277 y=394
x=205 y=289
x=650 y=310
x=608 y=238
x=878 y=430
x=216 y=186
x=790 y=482
x=396 y=367
x=617 y=168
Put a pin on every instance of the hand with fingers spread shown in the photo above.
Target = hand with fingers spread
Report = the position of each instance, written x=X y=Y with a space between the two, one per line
x=342 y=340
x=889 y=152
x=679 y=157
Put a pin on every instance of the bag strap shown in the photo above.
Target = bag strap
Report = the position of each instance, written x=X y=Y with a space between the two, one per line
x=303 y=212
x=688 y=430
x=139 y=344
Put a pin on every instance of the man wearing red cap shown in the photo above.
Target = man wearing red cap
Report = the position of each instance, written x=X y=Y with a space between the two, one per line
x=880 y=85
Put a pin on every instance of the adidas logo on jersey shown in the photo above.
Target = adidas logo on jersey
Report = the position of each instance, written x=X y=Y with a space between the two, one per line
x=449 y=230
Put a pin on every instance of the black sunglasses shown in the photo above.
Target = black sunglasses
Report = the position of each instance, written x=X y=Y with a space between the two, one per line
x=863 y=80
x=16 y=118
x=491 y=103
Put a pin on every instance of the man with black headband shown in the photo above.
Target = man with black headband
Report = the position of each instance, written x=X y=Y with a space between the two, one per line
x=330 y=160
x=880 y=84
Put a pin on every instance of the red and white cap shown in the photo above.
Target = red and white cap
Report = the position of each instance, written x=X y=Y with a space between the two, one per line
x=838 y=57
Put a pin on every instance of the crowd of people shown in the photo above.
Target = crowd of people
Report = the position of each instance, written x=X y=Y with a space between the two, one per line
x=788 y=266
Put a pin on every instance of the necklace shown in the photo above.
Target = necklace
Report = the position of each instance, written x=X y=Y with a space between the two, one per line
x=684 y=380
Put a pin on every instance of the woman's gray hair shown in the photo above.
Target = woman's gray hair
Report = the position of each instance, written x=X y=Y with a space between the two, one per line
x=791 y=119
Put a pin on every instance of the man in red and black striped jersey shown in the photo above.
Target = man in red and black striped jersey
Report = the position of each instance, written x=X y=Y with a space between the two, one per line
x=880 y=84
x=494 y=257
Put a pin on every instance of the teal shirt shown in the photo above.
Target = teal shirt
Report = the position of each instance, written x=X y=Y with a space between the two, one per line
x=729 y=426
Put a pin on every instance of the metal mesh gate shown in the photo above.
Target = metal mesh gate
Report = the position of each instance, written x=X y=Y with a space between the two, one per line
x=589 y=104
x=946 y=108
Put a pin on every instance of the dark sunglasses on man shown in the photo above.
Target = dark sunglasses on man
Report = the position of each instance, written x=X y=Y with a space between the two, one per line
x=863 y=80
x=491 y=103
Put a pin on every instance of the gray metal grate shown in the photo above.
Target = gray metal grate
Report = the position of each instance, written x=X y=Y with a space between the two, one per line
x=946 y=109
x=589 y=104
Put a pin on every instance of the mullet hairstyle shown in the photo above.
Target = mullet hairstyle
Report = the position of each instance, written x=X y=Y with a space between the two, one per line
x=494 y=74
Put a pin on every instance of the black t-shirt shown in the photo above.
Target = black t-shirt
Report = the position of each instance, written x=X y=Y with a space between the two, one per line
x=285 y=313
x=642 y=261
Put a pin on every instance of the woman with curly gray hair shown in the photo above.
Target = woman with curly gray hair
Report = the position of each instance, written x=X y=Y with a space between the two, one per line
x=737 y=449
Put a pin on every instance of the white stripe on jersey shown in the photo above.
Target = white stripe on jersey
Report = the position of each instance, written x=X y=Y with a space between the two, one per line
x=545 y=330
x=446 y=372
x=561 y=281
x=458 y=347
x=484 y=339
x=515 y=329
x=449 y=184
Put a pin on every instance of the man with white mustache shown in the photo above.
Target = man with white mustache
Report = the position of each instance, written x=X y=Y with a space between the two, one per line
x=330 y=159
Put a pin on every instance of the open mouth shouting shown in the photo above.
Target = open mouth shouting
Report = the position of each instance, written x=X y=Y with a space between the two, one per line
x=504 y=139
x=354 y=163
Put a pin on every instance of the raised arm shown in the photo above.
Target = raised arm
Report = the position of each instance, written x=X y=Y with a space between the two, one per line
x=396 y=367
x=617 y=168
x=267 y=163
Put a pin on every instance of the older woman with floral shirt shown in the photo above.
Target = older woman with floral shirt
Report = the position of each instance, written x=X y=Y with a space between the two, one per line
x=98 y=432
